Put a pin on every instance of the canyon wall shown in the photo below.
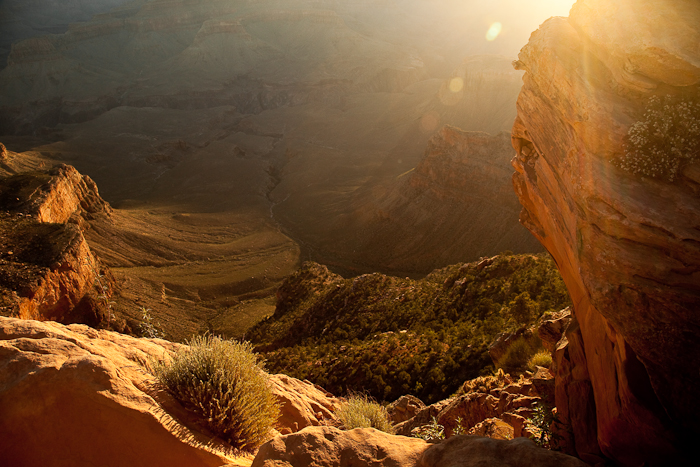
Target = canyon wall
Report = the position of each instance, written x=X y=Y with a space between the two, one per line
x=628 y=246
x=456 y=204
x=48 y=269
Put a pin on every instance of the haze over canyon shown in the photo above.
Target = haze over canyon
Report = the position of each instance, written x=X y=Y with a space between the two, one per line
x=483 y=215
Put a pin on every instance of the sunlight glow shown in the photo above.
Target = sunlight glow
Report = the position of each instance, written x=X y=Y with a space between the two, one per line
x=456 y=84
x=494 y=31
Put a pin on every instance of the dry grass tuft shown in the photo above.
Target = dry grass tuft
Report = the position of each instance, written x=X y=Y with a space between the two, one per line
x=361 y=412
x=224 y=383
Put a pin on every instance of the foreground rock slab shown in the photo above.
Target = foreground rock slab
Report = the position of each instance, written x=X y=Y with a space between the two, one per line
x=475 y=451
x=330 y=447
x=74 y=396
x=367 y=447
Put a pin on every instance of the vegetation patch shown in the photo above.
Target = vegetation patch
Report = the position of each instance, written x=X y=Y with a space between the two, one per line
x=665 y=139
x=359 y=411
x=224 y=383
x=542 y=358
x=485 y=384
x=392 y=336
x=518 y=354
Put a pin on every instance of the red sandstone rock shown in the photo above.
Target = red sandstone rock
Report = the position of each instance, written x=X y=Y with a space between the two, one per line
x=303 y=404
x=49 y=270
x=551 y=330
x=474 y=451
x=628 y=247
x=78 y=396
x=404 y=408
x=331 y=447
x=494 y=428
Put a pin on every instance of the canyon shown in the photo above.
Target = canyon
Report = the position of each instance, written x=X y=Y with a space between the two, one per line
x=233 y=140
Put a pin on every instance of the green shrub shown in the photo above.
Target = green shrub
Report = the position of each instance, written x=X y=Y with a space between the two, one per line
x=433 y=433
x=223 y=382
x=541 y=358
x=664 y=140
x=516 y=357
x=542 y=421
x=522 y=308
x=361 y=412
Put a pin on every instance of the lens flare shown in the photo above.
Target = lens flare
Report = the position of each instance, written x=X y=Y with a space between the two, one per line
x=456 y=84
x=494 y=31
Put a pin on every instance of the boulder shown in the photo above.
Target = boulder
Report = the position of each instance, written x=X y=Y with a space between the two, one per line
x=551 y=330
x=475 y=451
x=404 y=408
x=494 y=428
x=72 y=395
x=303 y=404
x=423 y=417
x=326 y=446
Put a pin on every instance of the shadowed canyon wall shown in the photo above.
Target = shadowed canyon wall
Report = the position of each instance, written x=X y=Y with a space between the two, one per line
x=628 y=246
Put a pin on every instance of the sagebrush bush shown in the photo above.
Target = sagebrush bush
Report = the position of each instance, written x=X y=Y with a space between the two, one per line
x=361 y=412
x=225 y=384
x=541 y=358
x=516 y=356
x=665 y=139
x=485 y=384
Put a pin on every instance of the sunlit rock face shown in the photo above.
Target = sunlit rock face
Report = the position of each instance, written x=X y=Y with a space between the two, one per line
x=628 y=247
x=49 y=271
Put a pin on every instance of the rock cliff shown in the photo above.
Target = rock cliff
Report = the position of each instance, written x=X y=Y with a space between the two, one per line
x=628 y=247
x=48 y=271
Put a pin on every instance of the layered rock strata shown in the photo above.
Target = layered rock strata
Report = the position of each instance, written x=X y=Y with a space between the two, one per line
x=48 y=271
x=628 y=247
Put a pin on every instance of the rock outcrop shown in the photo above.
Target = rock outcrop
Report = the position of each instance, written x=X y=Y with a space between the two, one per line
x=365 y=447
x=62 y=384
x=303 y=404
x=473 y=451
x=48 y=271
x=331 y=447
x=404 y=408
x=628 y=247
x=76 y=395
x=493 y=407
